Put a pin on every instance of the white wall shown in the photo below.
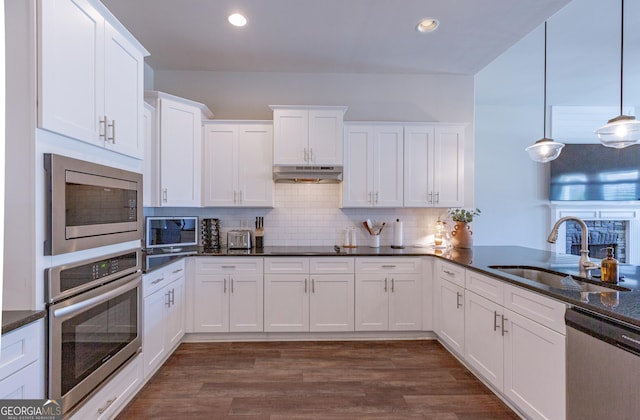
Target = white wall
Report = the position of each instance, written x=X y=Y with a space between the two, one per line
x=582 y=70
x=310 y=215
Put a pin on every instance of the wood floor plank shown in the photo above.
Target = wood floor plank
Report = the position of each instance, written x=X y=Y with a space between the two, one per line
x=315 y=380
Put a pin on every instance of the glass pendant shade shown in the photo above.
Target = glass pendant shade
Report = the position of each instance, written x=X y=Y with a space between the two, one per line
x=620 y=132
x=544 y=150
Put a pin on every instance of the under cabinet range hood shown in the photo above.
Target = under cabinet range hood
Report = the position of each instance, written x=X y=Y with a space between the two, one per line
x=328 y=174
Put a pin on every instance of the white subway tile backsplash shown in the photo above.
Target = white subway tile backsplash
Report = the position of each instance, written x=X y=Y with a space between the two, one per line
x=309 y=215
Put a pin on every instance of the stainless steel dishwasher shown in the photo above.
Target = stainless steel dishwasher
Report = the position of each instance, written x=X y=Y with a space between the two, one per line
x=603 y=368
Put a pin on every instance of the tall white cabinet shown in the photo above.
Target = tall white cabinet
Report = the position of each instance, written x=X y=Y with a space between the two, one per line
x=177 y=150
x=373 y=169
x=433 y=165
x=91 y=76
x=307 y=135
x=238 y=164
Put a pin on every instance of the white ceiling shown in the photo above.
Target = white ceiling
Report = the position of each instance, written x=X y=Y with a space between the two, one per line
x=330 y=36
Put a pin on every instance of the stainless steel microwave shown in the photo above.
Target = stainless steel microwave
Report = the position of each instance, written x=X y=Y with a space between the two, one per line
x=90 y=205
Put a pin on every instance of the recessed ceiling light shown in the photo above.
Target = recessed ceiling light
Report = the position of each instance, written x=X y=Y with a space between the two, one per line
x=237 y=19
x=427 y=25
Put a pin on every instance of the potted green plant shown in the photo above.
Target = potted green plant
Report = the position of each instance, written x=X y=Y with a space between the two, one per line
x=461 y=236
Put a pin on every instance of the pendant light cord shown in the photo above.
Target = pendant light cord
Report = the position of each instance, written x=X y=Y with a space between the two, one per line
x=544 y=115
x=621 y=52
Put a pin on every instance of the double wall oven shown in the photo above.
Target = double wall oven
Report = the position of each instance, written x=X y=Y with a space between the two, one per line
x=94 y=305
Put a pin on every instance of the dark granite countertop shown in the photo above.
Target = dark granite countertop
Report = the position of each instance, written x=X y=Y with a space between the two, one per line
x=12 y=320
x=617 y=304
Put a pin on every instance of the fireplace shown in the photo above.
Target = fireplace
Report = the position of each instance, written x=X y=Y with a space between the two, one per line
x=610 y=224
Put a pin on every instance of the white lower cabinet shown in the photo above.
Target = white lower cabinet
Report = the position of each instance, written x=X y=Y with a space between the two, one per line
x=115 y=394
x=388 y=294
x=309 y=294
x=22 y=362
x=519 y=357
x=163 y=314
x=228 y=294
x=449 y=305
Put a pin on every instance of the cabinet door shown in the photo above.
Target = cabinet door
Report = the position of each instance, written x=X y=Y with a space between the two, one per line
x=290 y=136
x=325 y=136
x=180 y=154
x=418 y=166
x=357 y=187
x=372 y=302
x=450 y=328
x=123 y=94
x=154 y=336
x=483 y=337
x=255 y=165
x=246 y=303
x=388 y=167
x=71 y=67
x=175 y=312
x=211 y=313
x=448 y=166
x=534 y=367
x=405 y=302
x=331 y=302
x=220 y=165
x=286 y=302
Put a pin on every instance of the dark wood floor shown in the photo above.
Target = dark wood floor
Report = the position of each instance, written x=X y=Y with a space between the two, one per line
x=301 y=380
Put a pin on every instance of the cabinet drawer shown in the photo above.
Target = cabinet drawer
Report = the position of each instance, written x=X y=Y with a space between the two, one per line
x=155 y=281
x=108 y=401
x=21 y=347
x=451 y=272
x=485 y=286
x=286 y=265
x=389 y=265
x=175 y=271
x=216 y=265
x=332 y=265
x=544 y=310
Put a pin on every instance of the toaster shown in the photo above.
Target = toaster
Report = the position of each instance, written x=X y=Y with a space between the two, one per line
x=239 y=239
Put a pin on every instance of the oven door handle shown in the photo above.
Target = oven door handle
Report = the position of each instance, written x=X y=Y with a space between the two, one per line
x=83 y=305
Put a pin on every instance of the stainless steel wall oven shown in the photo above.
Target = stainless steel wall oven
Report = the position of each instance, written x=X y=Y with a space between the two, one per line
x=94 y=323
x=90 y=205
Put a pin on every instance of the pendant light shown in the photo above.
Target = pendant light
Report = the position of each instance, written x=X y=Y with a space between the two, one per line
x=545 y=149
x=623 y=130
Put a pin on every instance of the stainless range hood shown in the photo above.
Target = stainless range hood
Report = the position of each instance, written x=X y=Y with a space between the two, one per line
x=329 y=174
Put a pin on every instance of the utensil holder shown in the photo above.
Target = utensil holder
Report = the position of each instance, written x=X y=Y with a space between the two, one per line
x=374 y=241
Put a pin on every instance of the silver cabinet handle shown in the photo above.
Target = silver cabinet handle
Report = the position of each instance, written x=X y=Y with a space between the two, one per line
x=231 y=284
x=157 y=280
x=451 y=273
x=430 y=197
x=313 y=285
x=503 y=320
x=385 y=284
x=167 y=299
x=177 y=271
x=458 y=296
x=230 y=267
x=173 y=297
x=370 y=198
x=113 y=132
x=389 y=266
x=235 y=196
x=495 y=319
x=437 y=197
x=164 y=195
x=377 y=196
x=107 y=405
x=393 y=284
x=306 y=155
x=224 y=287
x=103 y=127
x=311 y=154
x=305 y=286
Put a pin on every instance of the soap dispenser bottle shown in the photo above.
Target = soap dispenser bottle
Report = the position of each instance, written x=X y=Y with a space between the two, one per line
x=609 y=268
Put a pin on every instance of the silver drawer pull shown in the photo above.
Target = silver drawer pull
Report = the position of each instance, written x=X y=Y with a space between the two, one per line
x=103 y=409
x=503 y=320
x=177 y=270
x=229 y=266
x=495 y=319
x=451 y=273
x=458 y=296
x=389 y=266
x=158 y=280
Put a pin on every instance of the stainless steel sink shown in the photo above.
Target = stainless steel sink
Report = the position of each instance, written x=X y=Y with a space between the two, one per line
x=558 y=280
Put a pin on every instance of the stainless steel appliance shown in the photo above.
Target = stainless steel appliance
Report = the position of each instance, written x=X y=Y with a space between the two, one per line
x=94 y=323
x=171 y=232
x=331 y=174
x=239 y=239
x=90 y=205
x=603 y=361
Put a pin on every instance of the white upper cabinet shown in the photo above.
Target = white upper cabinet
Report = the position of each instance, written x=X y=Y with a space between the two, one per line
x=91 y=76
x=373 y=165
x=433 y=165
x=306 y=135
x=178 y=144
x=238 y=164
